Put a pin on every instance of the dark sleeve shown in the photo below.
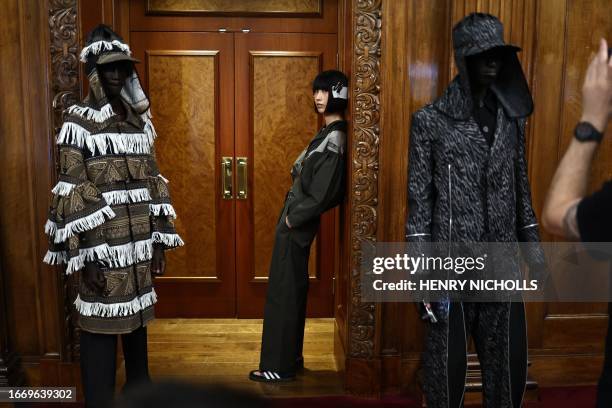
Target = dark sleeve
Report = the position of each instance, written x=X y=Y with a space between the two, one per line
x=594 y=215
x=420 y=182
x=527 y=229
x=325 y=189
x=162 y=212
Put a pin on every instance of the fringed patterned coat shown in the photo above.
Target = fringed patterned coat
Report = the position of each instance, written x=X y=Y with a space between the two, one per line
x=110 y=205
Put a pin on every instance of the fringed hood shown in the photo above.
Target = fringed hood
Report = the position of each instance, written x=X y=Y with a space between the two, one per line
x=103 y=46
x=473 y=35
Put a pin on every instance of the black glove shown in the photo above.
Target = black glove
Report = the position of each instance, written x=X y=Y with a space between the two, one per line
x=93 y=277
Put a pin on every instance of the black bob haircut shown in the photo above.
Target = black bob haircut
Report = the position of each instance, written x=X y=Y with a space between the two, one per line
x=336 y=84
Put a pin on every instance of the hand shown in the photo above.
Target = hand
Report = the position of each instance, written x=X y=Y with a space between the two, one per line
x=93 y=277
x=597 y=90
x=287 y=222
x=158 y=263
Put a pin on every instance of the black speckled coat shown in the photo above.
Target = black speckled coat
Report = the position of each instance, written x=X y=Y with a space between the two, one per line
x=462 y=190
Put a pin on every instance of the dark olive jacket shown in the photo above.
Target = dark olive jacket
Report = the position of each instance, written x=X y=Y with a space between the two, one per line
x=318 y=181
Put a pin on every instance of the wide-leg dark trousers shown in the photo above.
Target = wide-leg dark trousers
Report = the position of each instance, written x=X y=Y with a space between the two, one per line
x=99 y=364
x=499 y=333
x=285 y=310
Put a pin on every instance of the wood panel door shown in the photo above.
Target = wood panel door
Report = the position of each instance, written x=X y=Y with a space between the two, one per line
x=275 y=120
x=190 y=82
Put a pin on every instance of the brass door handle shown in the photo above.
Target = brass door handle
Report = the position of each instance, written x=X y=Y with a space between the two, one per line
x=226 y=178
x=241 y=177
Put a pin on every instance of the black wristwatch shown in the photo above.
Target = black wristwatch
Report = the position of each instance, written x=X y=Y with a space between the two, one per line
x=586 y=132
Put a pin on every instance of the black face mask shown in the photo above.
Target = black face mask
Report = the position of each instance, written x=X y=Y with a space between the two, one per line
x=113 y=76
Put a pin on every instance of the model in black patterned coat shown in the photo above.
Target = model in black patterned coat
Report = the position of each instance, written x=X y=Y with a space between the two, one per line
x=468 y=183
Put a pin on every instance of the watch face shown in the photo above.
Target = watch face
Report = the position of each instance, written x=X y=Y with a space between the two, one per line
x=585 y=131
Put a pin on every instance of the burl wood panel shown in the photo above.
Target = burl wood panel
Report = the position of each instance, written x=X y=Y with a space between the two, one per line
x=182 y=92
x=234 y=6
x=22 y=226
x=284 y=122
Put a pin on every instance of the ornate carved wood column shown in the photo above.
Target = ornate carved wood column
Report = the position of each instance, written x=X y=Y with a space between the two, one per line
x=64 y=88
x=363 y=360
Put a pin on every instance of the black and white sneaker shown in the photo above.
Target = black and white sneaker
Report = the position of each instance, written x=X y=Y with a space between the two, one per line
x=270 y=376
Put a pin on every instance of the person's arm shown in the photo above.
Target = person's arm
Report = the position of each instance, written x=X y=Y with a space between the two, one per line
x=570 y=181
x=77 y=210
x=421 y=198
x=163 y=231
x=420 y=182
x=327 y=183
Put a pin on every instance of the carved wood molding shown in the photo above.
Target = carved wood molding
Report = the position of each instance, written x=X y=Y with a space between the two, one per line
x=64 y=88
x=364 y=177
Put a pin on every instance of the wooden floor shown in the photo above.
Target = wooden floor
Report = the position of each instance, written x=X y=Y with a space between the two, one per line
x=223 y=351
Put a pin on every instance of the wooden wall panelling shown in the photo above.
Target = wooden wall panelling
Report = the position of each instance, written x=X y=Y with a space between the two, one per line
x=30 y=289
x=396 y=46
x=327 y=23
x=567 y=327
x=363 y=363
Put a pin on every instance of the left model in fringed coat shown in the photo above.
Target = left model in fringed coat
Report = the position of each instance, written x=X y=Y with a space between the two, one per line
x=110 y=205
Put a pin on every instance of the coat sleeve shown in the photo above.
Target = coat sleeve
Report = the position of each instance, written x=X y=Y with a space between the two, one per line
x=527 y=229
x=420 y=182
x=163 y=230
x=78 y=208
x=326 y=189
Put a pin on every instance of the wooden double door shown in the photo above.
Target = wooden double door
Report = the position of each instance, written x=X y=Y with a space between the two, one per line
x=232 y=111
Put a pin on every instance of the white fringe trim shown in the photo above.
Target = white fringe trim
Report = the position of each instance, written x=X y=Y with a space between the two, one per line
x=75 y=264
x=121 y=256
x=139 y=194
x=165 y=209
x=165 y=180
x=130 y=143
x=88 y=113
x=98 y=252
x=71 y=133
x=116 y=309
x=124 y=196
x=63 y=188
x=148 y=128
x=50 y=227
x=99 y=46
x=172 y=240
x=55 y=257
x=80 y=225
x=116 y=197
